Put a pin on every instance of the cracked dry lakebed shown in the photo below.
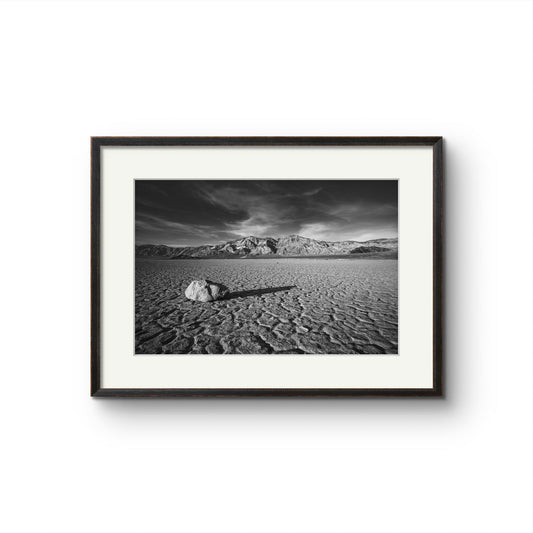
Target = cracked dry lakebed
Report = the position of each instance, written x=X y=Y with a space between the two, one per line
x=276 y=306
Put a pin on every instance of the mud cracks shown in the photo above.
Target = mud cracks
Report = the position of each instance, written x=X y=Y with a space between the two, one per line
x=305 y=306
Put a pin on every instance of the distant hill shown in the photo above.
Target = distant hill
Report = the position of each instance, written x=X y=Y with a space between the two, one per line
x=291 y=245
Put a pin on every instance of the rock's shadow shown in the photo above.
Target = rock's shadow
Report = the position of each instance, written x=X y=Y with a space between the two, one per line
x=258 y=292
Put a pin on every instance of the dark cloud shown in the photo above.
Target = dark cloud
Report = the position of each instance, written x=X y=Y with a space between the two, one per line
x=194 y=212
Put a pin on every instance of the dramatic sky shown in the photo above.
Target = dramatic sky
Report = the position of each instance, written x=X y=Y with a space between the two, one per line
x=195 y=212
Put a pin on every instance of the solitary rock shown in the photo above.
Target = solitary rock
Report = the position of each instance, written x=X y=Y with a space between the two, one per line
x=205 y=291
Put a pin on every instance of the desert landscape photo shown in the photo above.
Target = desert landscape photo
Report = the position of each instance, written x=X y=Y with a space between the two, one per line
x=266 y=267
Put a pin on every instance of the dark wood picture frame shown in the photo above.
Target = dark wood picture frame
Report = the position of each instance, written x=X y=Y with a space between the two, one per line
x=437 y=145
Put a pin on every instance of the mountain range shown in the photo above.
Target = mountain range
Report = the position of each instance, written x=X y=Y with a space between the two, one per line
x=289 y=246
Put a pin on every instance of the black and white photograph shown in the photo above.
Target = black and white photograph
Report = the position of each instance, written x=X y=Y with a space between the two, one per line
x=266 y=266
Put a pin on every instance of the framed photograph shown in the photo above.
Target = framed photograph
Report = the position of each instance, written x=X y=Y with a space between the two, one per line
x=266 y=266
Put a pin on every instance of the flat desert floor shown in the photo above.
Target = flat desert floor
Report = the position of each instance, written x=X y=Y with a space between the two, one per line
x=276 y=306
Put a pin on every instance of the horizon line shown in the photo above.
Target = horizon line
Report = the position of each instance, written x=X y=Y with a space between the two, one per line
x=255 y=237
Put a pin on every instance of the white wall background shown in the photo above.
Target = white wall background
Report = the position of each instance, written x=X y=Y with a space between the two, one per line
x=74 y=69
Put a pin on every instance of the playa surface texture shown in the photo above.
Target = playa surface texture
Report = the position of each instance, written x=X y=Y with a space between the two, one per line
x=276 y=306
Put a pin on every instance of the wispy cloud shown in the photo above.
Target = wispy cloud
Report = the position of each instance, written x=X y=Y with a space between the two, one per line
x=312 y=192
x=154 y=224
x=335 y=231
x=209 y=211
x=263 y=211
